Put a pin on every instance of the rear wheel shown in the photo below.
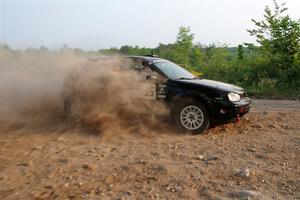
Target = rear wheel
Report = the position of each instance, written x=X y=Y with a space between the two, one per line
x=191 y=117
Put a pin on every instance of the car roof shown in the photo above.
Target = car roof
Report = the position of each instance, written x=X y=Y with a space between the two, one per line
x=146 y=58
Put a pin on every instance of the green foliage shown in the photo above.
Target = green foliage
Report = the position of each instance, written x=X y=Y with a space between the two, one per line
x=240 y=52
x=269 y=70
x=183 y=47
x=196 y=57
x=110 y=51
x=279 y=37
x=136 y=50
x=166 y=51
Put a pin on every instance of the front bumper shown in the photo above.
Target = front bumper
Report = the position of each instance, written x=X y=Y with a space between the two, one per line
x=243 y=106
x=229 y=111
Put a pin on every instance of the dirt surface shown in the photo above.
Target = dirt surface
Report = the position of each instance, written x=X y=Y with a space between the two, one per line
x=258 y=158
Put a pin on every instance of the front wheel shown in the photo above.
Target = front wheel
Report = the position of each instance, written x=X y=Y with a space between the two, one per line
x=192 y=117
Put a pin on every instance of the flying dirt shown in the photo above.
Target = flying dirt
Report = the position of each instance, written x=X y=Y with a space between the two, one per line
x=31 y=85
x=34 y=87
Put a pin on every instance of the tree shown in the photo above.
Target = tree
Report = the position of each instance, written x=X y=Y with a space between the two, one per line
x=279 y=37
x=240 y=50
x=183 y=46
x=125 y=49
x=196 y=57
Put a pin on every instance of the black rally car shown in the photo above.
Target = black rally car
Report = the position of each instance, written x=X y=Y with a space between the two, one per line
x=194 y=103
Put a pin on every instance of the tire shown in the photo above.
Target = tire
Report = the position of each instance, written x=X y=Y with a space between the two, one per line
x=191 y=116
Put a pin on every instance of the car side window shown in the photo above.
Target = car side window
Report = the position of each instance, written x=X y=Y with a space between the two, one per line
x=146 y=72
x=137 y=65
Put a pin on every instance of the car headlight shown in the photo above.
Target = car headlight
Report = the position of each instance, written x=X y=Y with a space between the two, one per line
x=233 y=96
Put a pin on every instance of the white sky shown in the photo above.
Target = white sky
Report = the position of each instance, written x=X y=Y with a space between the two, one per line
x=103 y=24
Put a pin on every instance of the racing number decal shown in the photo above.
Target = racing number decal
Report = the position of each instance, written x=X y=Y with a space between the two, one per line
x=155 y=91
x=161 y=92
x=150 y=93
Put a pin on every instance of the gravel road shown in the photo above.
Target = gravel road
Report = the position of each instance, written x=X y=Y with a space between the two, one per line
x=258 y=158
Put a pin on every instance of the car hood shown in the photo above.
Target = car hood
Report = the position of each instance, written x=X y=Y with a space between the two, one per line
x=214 y=84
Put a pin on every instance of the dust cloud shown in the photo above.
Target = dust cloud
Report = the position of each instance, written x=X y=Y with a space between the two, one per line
x=37 y=87
x=31 y=84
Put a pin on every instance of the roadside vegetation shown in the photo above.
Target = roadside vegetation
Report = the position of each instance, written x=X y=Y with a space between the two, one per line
x=268 y=69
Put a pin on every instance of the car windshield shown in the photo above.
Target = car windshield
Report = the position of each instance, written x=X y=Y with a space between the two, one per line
x=173 y=71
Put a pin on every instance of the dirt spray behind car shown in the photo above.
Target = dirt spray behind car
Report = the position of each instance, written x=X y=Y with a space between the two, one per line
x=108 y=90
x=33 y=87
x=31 y=83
